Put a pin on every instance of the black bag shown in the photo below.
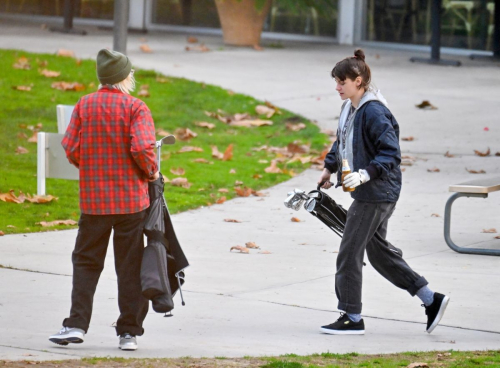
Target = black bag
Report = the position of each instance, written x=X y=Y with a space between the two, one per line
x=322 y=206
x=163 y=259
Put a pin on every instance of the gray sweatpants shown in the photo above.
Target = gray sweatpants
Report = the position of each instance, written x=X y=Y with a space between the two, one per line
x=366 y=228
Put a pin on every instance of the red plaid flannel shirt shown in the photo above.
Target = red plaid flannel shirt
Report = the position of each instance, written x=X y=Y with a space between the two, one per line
x=111 y=139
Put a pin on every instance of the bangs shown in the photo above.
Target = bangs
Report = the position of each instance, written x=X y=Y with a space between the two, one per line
x=341 y=70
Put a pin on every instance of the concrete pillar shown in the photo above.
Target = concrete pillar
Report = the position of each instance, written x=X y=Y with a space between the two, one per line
x=137 y=15
x=349 y=21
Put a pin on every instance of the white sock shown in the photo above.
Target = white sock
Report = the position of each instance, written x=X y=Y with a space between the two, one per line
x=426 y=295
x=355 y=317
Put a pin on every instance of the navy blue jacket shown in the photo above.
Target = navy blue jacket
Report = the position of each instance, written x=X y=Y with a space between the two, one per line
x=375 y=149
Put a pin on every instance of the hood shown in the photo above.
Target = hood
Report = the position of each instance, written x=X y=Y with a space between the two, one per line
x=373 y=95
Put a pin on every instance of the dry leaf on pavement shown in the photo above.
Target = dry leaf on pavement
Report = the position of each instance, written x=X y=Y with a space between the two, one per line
x=243 y=192
x=221 y=200
x=67 y=86
x=204 y=124
x=482 y=154
x=295 y=219
x=232 y=220
x=240 y=248
x=145 y=48
x=190 y=149
x=252 y=245
x=180 y=182
x=497 y=154
x=265 y=252
x=192 y=39
x=489 y=231
x=295 y=127
x=22 y=88
x=434 y=169
x=258 y=48
x=199 y=48
x=273 y=169
x=21 y=150
x=216 y=153
x=178 y=171
x=65 y=53
x=56 y=222
x=228 y=153
x=185 y=134
x=476 y=171
x=426 y=105
x=2 y=233
x=435 y=215
x=497 y=237
x=49 y=73
x=448 y=154
x=408 y=139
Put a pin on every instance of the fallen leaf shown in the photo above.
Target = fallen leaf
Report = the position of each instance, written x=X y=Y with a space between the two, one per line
x=22 y=63
x=190 y=149
x=418 y=365
x=257 y=176
x=22 y=88
x=301 y=159
x=145 y=48
x=22 y=135
x=216 y=153
x=295 y=127
x=295 y=219
x=2 y=233
x=264 y=110
x=65 y=53
x=232 y=171
x=252 y=245
x=251 y=123
x=320 y=160
x=185 y=134
x=273 y=169
x=162 y=132
x=240 y=248
x=263 y=161
x=199 y=48
x=221 y=200
x=435 y=215
x=34 y=138
x=67 y=86
x=56 y=222
x=408 y=139
x=201 y=161
x=228 y=153
x=143 y=92
x=497 y=237
x=297 y=148
x=497 y=154
x=11 y=227
x=204 y=124
x=232 y=220
x=160 y=79
x=180 y=182
x=482 y=154
x=40 y=199
x=476 y=171
x=258 y=194
x=223 y=190
x=178 y=171
x=21 y=150
x=258 y=48
x=238 y=182
x=243 y=192
x=192 y=39
x=50 y=73
x=230 y=92
x=426 y=105
x=447 y=154
x=265 y=252
x=434 y=169
x=489 y=231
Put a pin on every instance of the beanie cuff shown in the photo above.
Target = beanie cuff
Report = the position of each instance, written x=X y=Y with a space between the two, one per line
x=118 y=77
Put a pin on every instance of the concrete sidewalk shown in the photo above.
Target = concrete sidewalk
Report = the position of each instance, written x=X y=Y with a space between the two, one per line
x=273 y=304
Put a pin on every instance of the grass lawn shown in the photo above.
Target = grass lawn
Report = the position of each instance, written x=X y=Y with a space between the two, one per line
x=175 y=103
x=410 y=359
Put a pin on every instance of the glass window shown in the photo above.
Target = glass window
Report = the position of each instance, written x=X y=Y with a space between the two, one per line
x=282 y=19
x=464 y=24
x=95 y=9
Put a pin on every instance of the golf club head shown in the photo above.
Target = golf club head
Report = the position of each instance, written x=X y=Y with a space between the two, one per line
x=169 y=139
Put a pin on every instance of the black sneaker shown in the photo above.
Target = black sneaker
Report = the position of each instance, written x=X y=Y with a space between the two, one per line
x=435 y=311
x=344 y=326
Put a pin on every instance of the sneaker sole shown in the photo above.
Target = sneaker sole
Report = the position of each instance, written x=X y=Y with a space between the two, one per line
x=440 y=314
x=67 y=340
x=341 y=332
x=130 y=348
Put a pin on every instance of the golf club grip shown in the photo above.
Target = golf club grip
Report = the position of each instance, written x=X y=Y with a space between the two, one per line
x=321 y=184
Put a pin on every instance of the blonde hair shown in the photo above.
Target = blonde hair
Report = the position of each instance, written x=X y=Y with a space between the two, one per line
x=126 y=86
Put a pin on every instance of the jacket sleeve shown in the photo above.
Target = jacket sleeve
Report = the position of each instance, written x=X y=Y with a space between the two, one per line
x=386 y=144
x=142 y=140
x=331 y=159
x=71 y=140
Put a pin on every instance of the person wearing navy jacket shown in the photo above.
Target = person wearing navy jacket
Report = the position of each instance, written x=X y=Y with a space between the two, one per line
x=368 y=138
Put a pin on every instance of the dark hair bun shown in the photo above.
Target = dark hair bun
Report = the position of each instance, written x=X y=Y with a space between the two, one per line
x=359 y=54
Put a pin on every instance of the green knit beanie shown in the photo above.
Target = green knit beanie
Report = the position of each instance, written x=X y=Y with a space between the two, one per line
x=112 y=66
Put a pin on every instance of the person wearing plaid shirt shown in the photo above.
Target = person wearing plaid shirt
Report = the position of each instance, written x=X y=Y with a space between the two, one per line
x=111 y=139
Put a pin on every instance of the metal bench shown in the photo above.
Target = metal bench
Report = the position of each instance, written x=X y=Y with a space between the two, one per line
x=474 y=188
x=51 y=158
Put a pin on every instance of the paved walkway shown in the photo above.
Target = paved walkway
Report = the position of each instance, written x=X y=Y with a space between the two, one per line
x=273 y=304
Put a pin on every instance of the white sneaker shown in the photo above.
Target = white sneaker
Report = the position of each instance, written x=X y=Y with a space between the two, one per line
x=127 y=342
x=68 y=335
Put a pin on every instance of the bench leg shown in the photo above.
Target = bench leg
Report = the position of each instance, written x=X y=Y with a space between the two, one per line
x=447 y=227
